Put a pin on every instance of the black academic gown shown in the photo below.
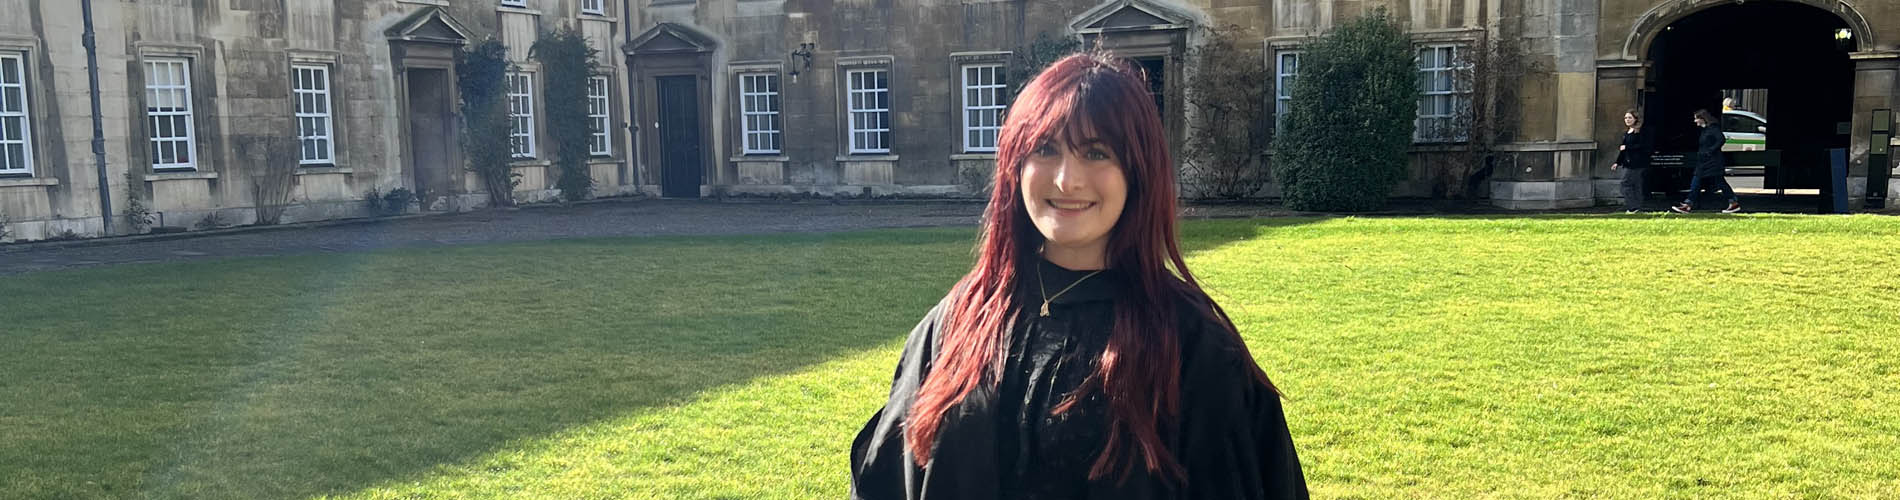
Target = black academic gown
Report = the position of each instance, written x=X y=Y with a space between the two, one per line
x=1002 y=442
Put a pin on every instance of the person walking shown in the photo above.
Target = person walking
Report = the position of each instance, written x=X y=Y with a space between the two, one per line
x=1709 y=170
x=1633 y=159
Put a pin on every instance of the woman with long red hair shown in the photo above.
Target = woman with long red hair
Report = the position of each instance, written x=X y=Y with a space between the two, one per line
x=1079 y=358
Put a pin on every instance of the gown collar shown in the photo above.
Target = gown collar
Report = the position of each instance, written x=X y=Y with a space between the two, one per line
x=1100 y=287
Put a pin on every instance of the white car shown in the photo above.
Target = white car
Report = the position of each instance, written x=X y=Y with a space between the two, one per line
x=1744 y=131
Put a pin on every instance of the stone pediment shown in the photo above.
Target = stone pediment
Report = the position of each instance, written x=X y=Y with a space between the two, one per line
x=1130 y=15
x=670 y=38
x=431 y=24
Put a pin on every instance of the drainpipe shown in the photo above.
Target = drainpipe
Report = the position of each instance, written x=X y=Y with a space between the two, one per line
x=633 y=97
x=98 y=125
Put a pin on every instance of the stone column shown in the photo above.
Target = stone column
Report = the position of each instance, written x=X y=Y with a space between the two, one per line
x=1876 y=86
x=1619 y=88
x=1555 y=172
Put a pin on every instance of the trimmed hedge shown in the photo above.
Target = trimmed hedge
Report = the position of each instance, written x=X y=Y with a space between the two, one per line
x=1351 y=118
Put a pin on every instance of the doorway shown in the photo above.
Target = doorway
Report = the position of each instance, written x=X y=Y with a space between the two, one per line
x=681 y=171
x=431 y=122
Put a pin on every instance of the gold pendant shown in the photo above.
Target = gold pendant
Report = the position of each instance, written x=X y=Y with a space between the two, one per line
x=1045 y=309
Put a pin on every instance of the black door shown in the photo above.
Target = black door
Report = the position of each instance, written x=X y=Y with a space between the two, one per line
x=680 y=169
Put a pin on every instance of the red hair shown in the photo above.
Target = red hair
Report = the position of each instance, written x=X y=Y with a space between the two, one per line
x=1106 y=97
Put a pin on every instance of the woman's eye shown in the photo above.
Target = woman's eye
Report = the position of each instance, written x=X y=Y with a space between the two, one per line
x=1097 y=155
x=1045 y=150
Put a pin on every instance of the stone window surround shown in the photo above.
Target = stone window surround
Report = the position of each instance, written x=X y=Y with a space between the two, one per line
x=735 y=71
x=1282 y=90
x=327 y=96
x=184 y=133
x=338 y=103
x=605 y=121
x=28 y=50
x=531 y=151
x=959 y=61
x=1458 y=53
x=141 y=127
x=845 y=65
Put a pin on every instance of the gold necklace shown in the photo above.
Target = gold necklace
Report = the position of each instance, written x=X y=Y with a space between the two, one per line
x=1045 y=290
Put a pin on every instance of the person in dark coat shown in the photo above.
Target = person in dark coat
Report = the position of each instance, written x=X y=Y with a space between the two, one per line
x=1079 y=358
x=1633 y=158
x=1709 y=171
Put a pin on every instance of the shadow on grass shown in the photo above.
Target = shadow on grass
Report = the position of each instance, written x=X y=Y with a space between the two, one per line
x=302 y=376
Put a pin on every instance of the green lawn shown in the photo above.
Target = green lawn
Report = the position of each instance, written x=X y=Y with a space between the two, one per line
x=1511 y=357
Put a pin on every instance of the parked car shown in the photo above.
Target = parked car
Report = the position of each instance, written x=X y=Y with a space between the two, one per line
x=1745 y=131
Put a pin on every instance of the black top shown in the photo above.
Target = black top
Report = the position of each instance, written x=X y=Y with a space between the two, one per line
x=1002 y=442
x=1636 y=150
x=1709 y=152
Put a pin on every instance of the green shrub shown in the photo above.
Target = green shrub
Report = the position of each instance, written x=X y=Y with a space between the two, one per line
x=568 y=62
x=481 y=73
x=1351 y=118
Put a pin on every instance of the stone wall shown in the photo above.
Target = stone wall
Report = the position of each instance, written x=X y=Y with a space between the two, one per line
x=240 y=54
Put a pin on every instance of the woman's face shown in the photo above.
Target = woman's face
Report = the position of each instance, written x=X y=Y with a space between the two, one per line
x=1629 y=120
x=1699 y=122
x=1074 y=194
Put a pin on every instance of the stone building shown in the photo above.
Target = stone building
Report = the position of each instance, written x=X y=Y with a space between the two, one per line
x=187 y=88
x=928 y=68
x=849 y=97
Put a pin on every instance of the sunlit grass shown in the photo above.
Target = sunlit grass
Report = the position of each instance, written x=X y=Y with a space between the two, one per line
x=1539 y=357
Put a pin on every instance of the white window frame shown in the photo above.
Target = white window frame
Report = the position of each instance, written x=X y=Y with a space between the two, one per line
x=1447 y=65
x=514 y=3
x=180 y=88
x=521 y=114
x=17 y=109
x=321 y=113
x=595 y=7
x=982 y=100
x=759 y=114
x=600 y=116
x=864 y=120
x=1284 y=77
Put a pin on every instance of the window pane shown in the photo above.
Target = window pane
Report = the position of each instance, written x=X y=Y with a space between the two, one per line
x=16 y=157
x=10 y=128
x=10 y=70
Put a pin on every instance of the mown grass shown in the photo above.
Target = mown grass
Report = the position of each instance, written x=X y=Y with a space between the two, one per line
x=1510 y=357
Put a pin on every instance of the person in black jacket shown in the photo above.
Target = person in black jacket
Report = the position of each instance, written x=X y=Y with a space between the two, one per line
x=1709 y=170
x=1633 y=158
x=1079 y=358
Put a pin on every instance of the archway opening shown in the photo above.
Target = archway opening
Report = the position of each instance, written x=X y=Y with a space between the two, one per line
x=1794 y=54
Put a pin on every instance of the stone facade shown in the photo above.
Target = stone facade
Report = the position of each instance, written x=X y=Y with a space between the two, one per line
x=383 y=67
x=825 y=97
x=1590 y=60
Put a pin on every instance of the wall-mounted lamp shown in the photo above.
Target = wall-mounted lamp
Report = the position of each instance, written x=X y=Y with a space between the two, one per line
x=804 y=53
x=1843 y=38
